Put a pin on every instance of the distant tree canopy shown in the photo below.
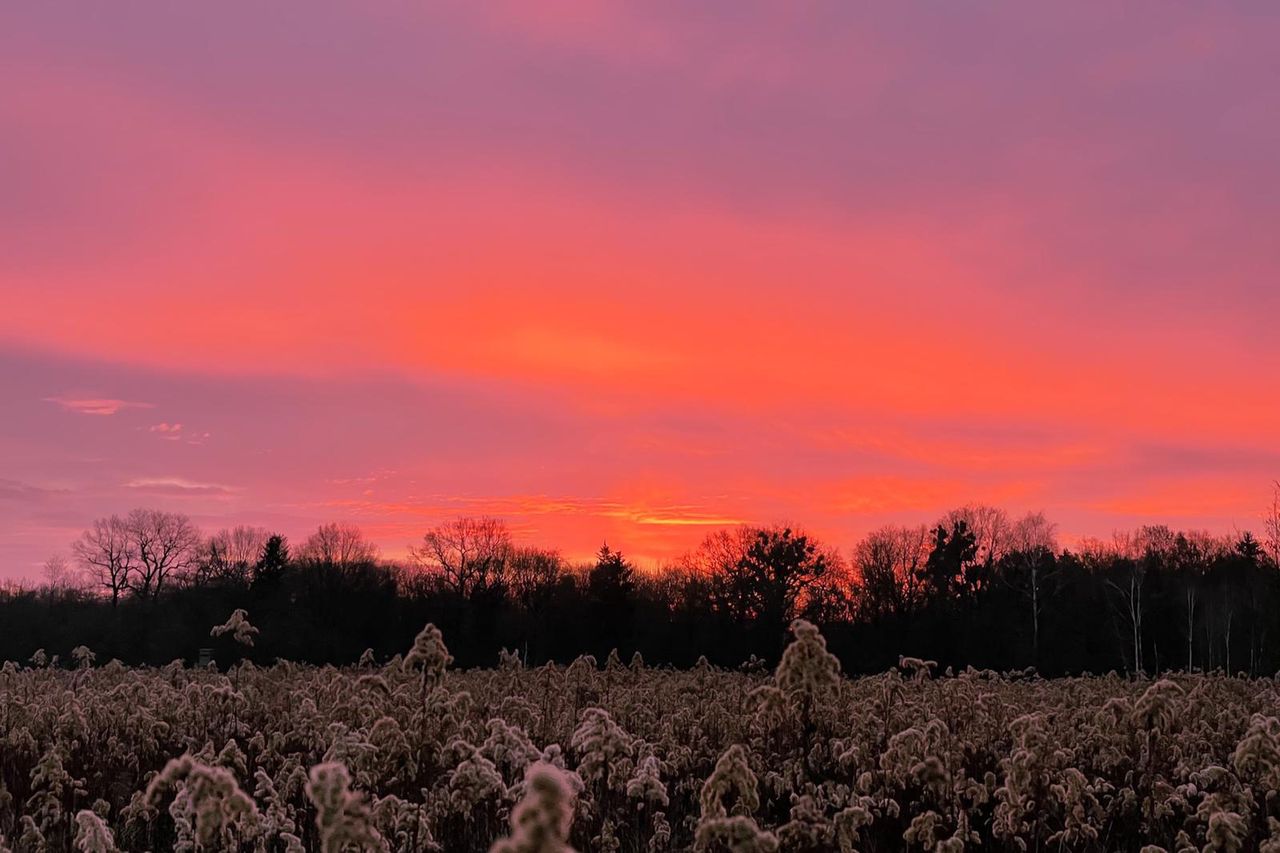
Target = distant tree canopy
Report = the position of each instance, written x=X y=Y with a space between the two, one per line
x=975 y=588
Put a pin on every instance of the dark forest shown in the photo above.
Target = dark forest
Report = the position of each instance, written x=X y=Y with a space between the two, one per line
x=976 y=589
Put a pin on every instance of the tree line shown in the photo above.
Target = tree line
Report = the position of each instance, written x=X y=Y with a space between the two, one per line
x=976 y=588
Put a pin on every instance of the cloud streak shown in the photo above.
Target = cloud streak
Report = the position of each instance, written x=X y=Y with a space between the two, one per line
x=176 y=487
x=102 y=406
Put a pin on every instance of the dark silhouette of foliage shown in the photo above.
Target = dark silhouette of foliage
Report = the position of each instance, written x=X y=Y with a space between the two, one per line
x=272 y=563
x=951 y=567
x=1153 y=600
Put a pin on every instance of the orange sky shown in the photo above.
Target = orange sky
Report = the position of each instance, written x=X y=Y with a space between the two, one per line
x=634 y=271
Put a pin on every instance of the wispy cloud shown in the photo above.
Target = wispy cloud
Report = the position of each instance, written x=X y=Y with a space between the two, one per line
x=96 y=405
x=177 y=486
x=177 y=432
x=516 y=506
x=15 y=490
x=169 y=432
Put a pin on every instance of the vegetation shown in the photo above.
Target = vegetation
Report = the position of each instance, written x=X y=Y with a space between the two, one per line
x=976 y=588
x=414 y=755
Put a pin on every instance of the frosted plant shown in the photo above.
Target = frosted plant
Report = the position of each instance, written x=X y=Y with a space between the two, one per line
x=661 y=838
x=208 y=799
x=918 y=669
x=1257 y=757
x=809 y=828
x=554 y=756
x=367 y=660
x=1074 y=798
x=51 y=785
x=83 y=656
x=40 y=659
x=738 y=834
x=474 y=781
x=540 y=821
x=753 y=665
x=910 y=756
x=509 y=660
x=509 y=748
x=232 y=757
x=31 y=838
x=395 y=758
x=924 y=831
x=92 y=834
x=1158 y=706
x=404 y=825
x=645 y=785
x=731 y=778
x=1227 y=831
x=373 y=681
x=954 y=844
x=429 y=654
x=607 y=841
x=807 y=673
x=582 y=667
x=1271 y=844
x=848 y=824
x=278 y=819
x=604 y=750
x=237 y=625
x=1221 y=793
x=342 y=817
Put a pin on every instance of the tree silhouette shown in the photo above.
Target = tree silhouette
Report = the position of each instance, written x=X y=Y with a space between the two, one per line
x=772 y=576
x=272 y=563
x=1144 y=600
x=951 y=567
x=610 y=589
x=466 y=554
x=338 y=544
x=107 y=555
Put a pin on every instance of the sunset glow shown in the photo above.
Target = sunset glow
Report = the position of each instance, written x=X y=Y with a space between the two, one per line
x=636 y=272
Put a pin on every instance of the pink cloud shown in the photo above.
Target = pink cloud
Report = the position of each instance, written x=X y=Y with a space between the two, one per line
x=96 y=405
x=170 y=432
x=177 y=487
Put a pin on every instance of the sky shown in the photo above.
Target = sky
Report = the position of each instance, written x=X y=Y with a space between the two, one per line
x=634 y=272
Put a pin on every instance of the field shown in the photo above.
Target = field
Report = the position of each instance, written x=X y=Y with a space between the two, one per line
x=410 y=755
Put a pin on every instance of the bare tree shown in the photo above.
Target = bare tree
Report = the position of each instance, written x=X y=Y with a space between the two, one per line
x=1033 y=538
x=1271 y=525
x=719 y=552
x=338 y=544
x=57 y=573
x=465 y=553
x=1191 y=598
x=242 y=544
x=990 y=528
x=167 y=545
x=108 y=555
x=1130 y=588
x=1137 y=552
x=888 y=563
x=232 y=552
x=1193 y=552
x=533 y=573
